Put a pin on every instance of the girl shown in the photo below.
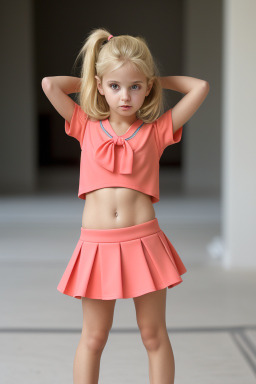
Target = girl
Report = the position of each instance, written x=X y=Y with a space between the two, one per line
x=122 y=252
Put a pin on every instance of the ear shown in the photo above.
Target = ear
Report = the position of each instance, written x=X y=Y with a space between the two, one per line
x=99 y=86
x=150 y=85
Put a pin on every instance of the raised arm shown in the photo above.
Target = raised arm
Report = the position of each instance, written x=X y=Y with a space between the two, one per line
x=57 y=88
x=195 y=91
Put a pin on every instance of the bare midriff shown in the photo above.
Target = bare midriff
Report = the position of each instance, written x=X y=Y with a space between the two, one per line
x=116 y=207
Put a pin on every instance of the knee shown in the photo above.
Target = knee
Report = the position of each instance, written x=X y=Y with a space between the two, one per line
x=95 y=341
x=151 y=337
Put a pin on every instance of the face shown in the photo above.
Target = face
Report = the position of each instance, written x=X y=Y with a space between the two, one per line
x=124 y=86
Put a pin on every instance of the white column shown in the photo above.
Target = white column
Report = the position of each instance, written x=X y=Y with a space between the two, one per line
x=239 y=134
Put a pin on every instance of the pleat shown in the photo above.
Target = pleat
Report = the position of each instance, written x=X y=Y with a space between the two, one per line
x=172 y=253
x=66 y=279
x=110 y=270
x=78 y=271
x=163 y=266
x=138 y=276
x=85 y=273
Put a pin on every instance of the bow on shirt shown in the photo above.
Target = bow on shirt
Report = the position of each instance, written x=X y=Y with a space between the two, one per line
x=105 y=154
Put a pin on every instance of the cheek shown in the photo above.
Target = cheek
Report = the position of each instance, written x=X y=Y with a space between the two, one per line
x=110 y=95
x=140 y=96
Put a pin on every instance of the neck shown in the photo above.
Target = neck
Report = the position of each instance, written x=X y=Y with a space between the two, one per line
x=122 y=120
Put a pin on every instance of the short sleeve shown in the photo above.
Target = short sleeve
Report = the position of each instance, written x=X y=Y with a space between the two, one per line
x=77 y=125
x=164 y=131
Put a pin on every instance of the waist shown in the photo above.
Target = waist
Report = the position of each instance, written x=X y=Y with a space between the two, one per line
x=122 y=234
x=116 y=207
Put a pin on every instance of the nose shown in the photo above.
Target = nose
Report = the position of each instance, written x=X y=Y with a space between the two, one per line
x=125 y=95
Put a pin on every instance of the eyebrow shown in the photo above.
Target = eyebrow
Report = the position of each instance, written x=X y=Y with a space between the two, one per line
x=114 y=81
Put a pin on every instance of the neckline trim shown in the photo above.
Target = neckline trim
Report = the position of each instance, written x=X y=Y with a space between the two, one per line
x=132 y=130
x=129 y=131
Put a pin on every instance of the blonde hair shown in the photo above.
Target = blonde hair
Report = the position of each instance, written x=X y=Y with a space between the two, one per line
x=100 y=56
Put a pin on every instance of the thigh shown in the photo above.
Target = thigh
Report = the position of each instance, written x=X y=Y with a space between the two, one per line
x=97 y=315
x=151 y=309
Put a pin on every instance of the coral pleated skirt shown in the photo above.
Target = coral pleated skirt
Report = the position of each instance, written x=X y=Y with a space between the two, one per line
x=121 y=263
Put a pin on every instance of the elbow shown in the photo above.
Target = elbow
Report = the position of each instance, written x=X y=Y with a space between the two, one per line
x=206 y=87
x=46 y=83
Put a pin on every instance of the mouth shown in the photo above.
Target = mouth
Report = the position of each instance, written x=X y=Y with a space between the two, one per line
x=125 y=106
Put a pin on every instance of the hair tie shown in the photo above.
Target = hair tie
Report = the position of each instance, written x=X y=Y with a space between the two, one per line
x=110 y=36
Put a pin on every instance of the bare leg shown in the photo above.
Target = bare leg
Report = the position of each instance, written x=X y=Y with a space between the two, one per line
x=150 y=313
x=161 y=360
x=97 y=322
x=87 y=363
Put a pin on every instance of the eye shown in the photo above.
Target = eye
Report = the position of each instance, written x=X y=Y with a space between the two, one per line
x=136 y=85
x=113 y=84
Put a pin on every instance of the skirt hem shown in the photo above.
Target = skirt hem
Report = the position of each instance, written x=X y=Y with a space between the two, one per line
x=77 y=296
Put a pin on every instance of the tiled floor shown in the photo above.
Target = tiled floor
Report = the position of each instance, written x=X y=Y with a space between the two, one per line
x=211 y=315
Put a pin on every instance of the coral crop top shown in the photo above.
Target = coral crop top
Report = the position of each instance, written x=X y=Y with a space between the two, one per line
x=130 y=160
